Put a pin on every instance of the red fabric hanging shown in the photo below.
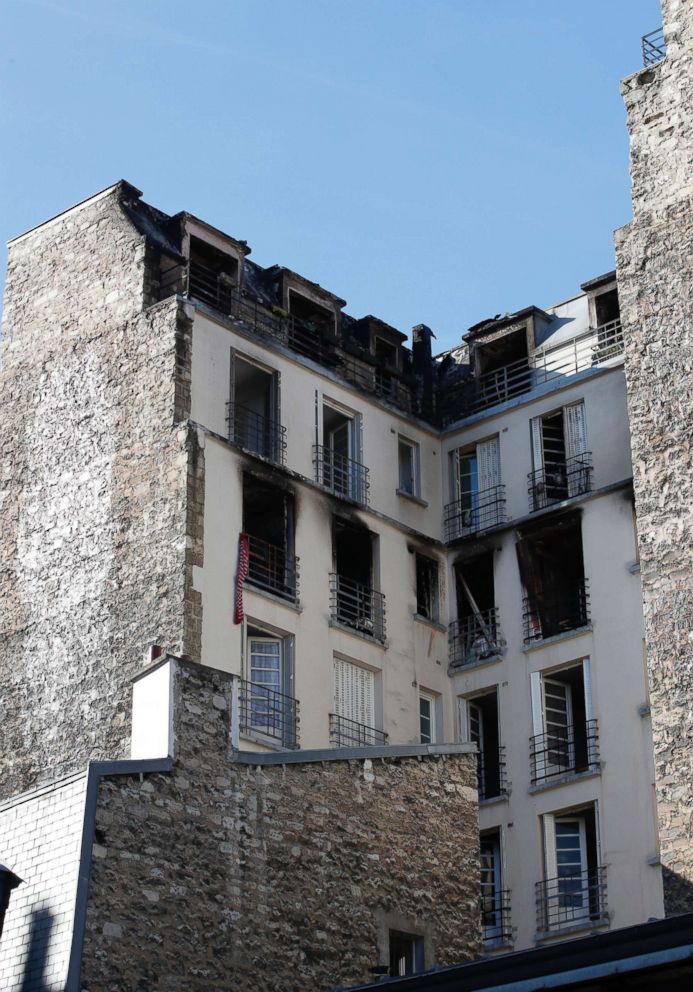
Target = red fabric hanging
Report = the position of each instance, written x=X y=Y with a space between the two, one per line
x=241 y=575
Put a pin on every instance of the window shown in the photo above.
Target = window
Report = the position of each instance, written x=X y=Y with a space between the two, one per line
x=565 y=737
x=408 y=457
x=355 y=602
x=268 y=521
x=574 y=889
x=479 y=724
x=427 y=718
x=354 y=718
x=212 y=275
x=268 y=707
x=406 y=953
x=475 y=636
x=561 y=463
x=427 y=587
x=495 y=907
x=477 y=494
x=338 y=452
x=254 y=409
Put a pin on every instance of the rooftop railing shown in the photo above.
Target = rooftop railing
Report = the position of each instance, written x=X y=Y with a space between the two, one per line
x=491 y=772
x=209 y=286
x=560 y=480
x=271 y=568
x=571 y=899
x=496 y=927
x=473 y=512
x=350 y=733
x=475 y=638
x=252 y=431
x=341 y=475
x=564 y=751
x=266 y=713
x=555 y=613
x=654 y=47
x=357 y=606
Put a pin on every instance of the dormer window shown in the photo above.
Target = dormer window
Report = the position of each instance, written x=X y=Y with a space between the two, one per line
x=386 y=354
x=312 y=316
x=212 y=275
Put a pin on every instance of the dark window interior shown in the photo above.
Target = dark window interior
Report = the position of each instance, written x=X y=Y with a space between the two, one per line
x=386 y=353
x=553 y=574
x=573 y=677
x=503 y=351
x=478 y=575
x=268 y=512
x=406 y=954
x=606 y=307
x=212 y=274
x=426 y=587
x=353 y=548
x=484 y=733
x=311 y=314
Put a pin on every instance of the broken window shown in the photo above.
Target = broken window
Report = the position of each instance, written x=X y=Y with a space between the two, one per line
x=502 y=368
x=480 y=715
x=606 y=307
x=212 y=275
x=565 y=732
x=337 y=458
x=267 y=705
x=254 y=409
x=495 y=906
x=426 y=587
x=552 y=572
x=268 y=521
x=311 y=327
x=386 y=369
x=355 y=602
x=408 y=464
x=475 y=636
x=478 y=496
x=574 y=889
x=562 y=466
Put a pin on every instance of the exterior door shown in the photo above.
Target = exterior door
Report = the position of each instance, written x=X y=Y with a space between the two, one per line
x=558 y=751
x=266 y=671
x=475 y=722
x=491 y=897
x=571 y=865
x=339 y=443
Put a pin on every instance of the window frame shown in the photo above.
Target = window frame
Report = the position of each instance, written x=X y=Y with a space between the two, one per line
x=414 y=465
x=430 y=700
x=434 y=587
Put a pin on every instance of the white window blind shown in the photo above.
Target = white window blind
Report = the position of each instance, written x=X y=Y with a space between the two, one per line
x=488 y=460
x=575 y=429
x=537 y=436
x=354 y=692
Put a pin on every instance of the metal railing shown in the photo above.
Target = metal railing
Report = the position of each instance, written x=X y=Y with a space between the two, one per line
x=252 y=431
x=475 y=511
x=264 y=712
x=374 y=379
x=349 y=733
x=357 y=606
x=496 y=927
x=491 y=774
x=209 y=286
x=583 y=352
x=564 y=751
x=654 y=47
x=560 y=480
x=555 y=613
x=471 y=641
x=271 y=568
x=571 y=899
x=341 y=475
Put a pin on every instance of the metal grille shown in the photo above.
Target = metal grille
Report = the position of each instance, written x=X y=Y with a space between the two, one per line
x=349 y=733
x=376 y=380
x=496 y=927
x=564 y=751
x=654 y=47
x=341 y=475
x=558 y=480
x=476 y=511
x=268 y=713
x=271 y=568
x=571 y=899
x=470 y=641
x=492 y=780
x=209 y=286
x=357 y=606
x=252 y=431
x=554 y=614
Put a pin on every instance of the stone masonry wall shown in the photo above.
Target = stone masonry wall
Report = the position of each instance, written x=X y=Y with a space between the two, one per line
x=40 y=838
x=655 y=279
x=287 y=877
x=96 y=469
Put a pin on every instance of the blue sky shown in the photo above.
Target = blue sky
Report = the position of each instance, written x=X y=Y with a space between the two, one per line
x=429 y=161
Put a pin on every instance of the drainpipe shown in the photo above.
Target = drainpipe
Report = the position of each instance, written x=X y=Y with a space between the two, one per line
x=8 y=882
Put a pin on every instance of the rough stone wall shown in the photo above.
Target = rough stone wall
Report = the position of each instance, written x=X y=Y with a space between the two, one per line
x=228 y=876
x=655 y=279
x=95 y=476
x=40 y=837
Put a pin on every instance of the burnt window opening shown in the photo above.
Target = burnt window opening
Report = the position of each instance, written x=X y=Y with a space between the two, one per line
x=268 y=521
x=406 y=954
x=606 y=307
x=313 y=317
x=475 y=636
x=565 y=740
x=483 y=730
x=353 y=552
x=171 y=276
x=212 y=275
x=553 y=576
x=505 y=350
x=354 y=601
x=502 y=369
x=254 y=410
x=386 y=368
x=427 y=592
x=562 y=466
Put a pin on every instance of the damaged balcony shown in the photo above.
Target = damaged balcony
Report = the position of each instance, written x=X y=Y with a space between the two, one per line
x=356 y=605
x=267 y=715
x=555 y=612
x=350 y=733
x=475 y=639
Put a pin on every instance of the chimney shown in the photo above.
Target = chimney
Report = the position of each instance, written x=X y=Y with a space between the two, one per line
x=423 y=366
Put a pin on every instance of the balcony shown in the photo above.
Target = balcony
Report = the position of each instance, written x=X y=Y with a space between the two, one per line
x=357 y=606
x=564 y=751
x=555 y=613
x=267 y=715
x=495 y=918
x=474 y=512
x=557 y=481
x=349 y=733
x=252 y=431
x=572 y=899
x=654 y=47
x=491 y=774
x=342 y=476
x=474 y=639
x=381 y=382
x=272 y=569
x=204 y=283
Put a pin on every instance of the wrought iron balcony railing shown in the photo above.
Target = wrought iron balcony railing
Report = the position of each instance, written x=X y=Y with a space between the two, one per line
x=341 y=475
x=349 y=733
x=266 y=713
x=557 y=481
x=555 y=613
x=491 y=773
x=496 y=927
x=564 y=751
x=470 y=640
x=571 y=899
x=358 y=606
x=654 y=47
x=211 y=287
x=271 y=568
x=474 y=512
x=374 y=379
x=252 y=431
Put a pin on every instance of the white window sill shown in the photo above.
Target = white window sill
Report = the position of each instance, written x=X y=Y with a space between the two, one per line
x=436 y=624
x=410 y=496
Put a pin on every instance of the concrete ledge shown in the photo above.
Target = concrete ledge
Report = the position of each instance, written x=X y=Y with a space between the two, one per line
x=351 y=753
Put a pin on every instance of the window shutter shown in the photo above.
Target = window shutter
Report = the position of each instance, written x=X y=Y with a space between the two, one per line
x=537 y=437
x=575 y=429
x=537 y=704
x=455 y=492
x=587 y=684
x=232 y=376
x=488 y=460
x=354 y=693
x=550 y=866
x=462 y=719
